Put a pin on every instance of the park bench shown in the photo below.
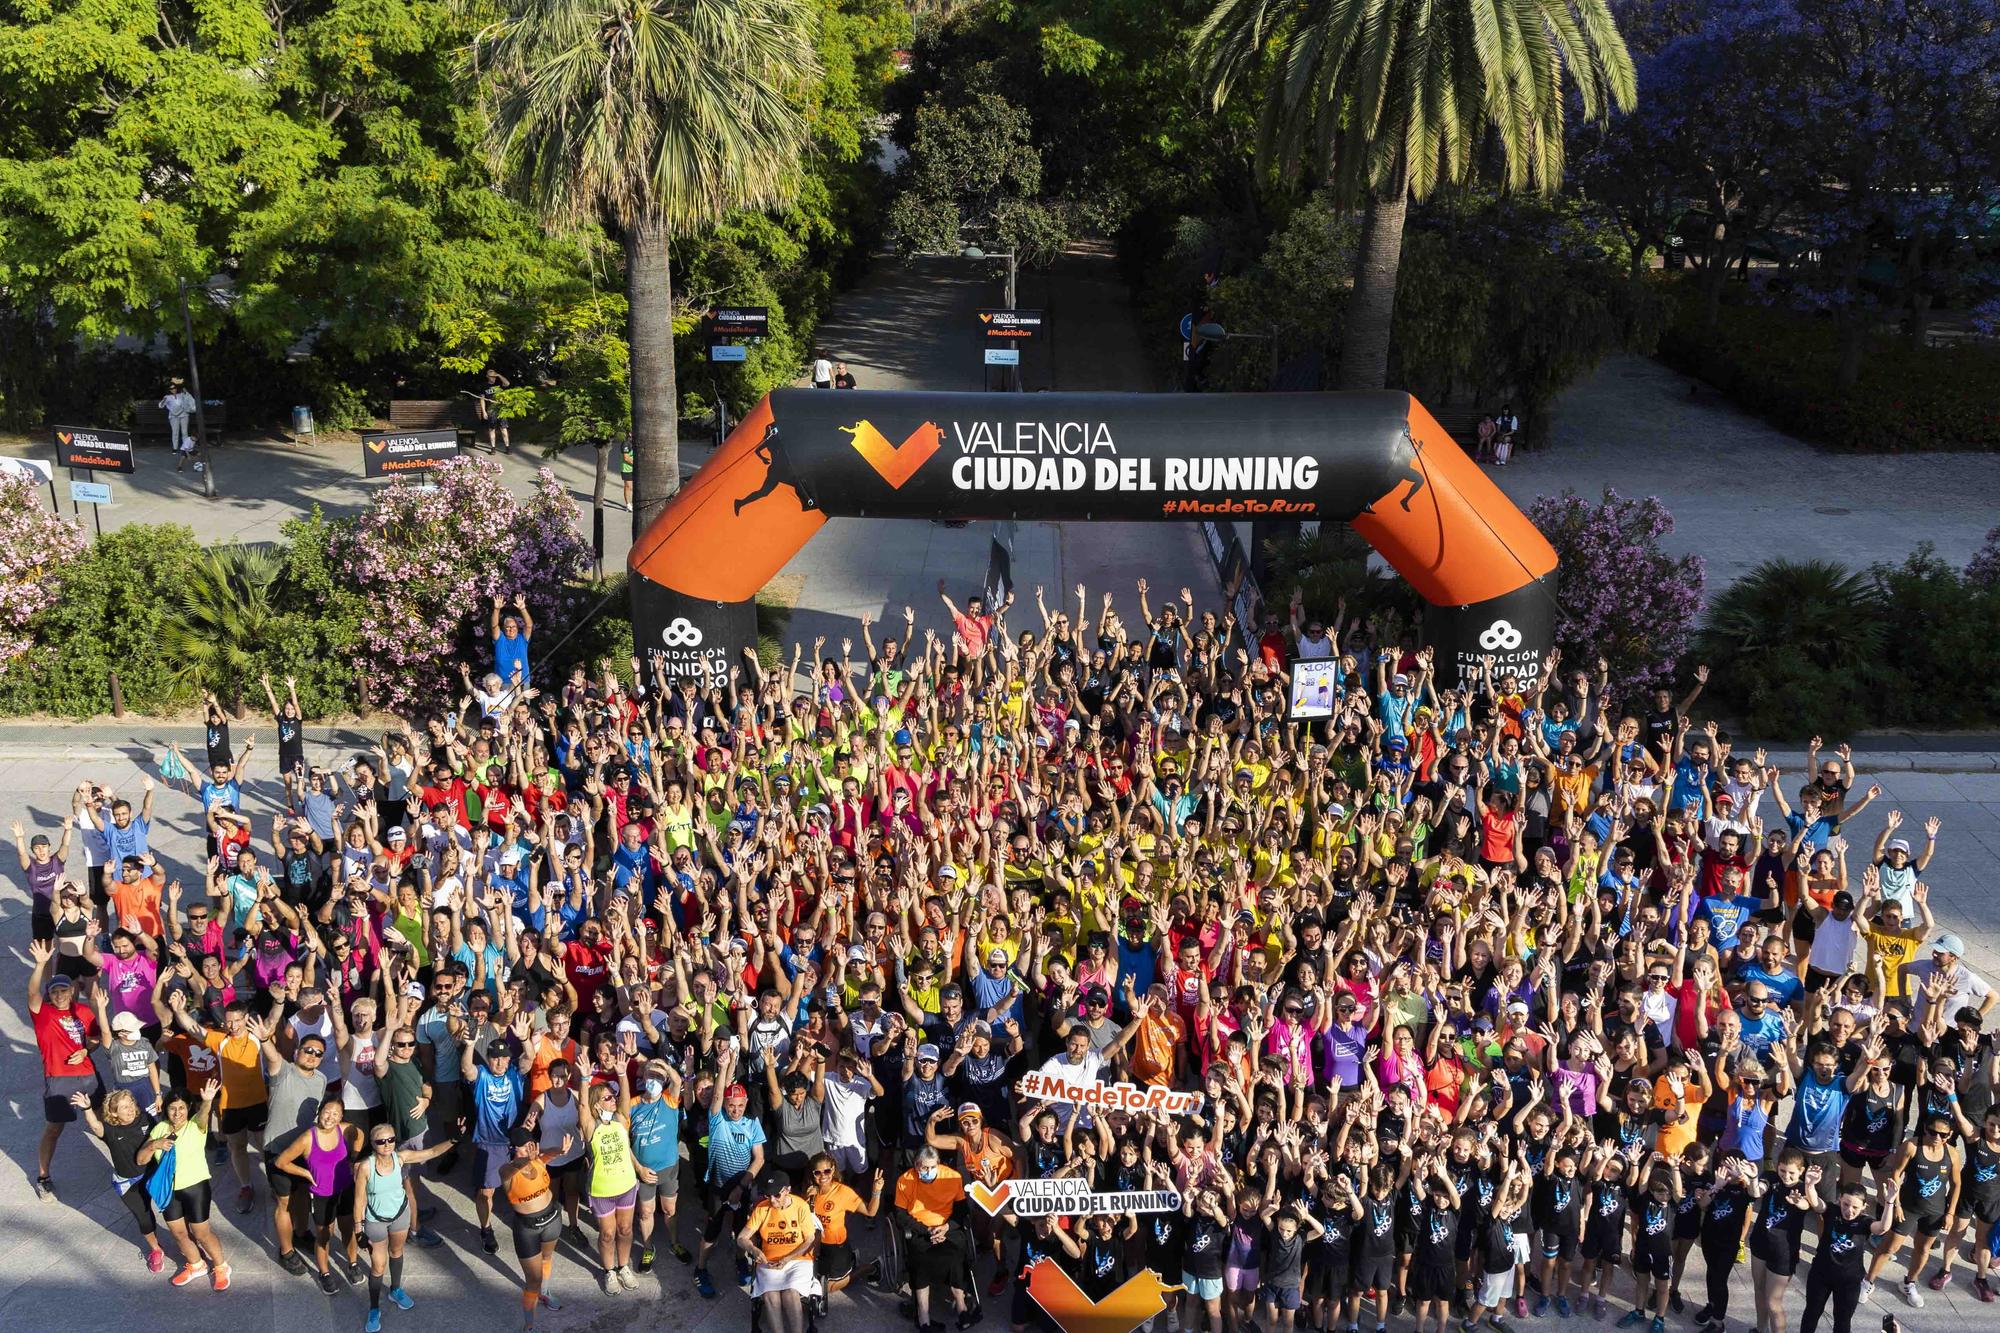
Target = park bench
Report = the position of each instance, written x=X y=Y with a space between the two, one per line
x=1461 y=423
x=430 y=414
x=149 y=419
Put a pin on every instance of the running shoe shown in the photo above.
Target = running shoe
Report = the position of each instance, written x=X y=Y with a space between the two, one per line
x=1867 y=1289
x=997 y=1285
x=1562 y=1307
x=188 y=1273
x=219 y=1277
x=427 y=1238
x=1658 y=1325
x=374 y=1324
x=645 y=1264
x=1498 y=1325
x=1632 y=1319
x=328 y=1283
x=1467 y=1326
x=625 y=1278
x=401 y=1298
x=610 y=1281
x=45 y=1188
x=551 y=1301
x=1911 y=1296
x=1939 y=1280
x=1983 y=1289
x=1598 y=1308
x=682 y=1253
x=1701 y=1317
x=292 y=1262
x=704 y=1284
x=966 y=1320
x=1541 y=1306
x=573 y=1233
x=246 y=1199
x=1675 y=1303
x=487 y=1241
x=156 y=1262
x=1520 y=1307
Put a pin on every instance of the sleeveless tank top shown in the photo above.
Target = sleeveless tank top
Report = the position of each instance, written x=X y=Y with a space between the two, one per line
x=358 y=1089
x=611 y=1172
x=530 y=1182
x=557 y=1121
x=387 y=1196
x=327 y=1165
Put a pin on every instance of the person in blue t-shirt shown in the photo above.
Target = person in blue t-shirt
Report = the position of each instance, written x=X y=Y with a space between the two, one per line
x=511 y=632
x=499 y=1096
x=656 y=1154
x=1763 y=1021
x=1771 y=968
x=735 y=1157
x=1822 y=1096
x=1728 y=910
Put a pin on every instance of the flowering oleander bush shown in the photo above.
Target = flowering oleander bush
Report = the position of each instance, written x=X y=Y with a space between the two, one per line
x=35 y=547
x=424 y=562
x=1621 y=596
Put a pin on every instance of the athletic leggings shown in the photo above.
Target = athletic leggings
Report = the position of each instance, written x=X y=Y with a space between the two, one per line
x=1718 y=1257
x=140 y=1205
x=1844 y=1288
x=375 y=1283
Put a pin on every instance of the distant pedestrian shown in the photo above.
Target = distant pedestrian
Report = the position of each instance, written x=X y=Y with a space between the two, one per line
x=1509 y=426
x=822 y=373
x=1487 y=432
x=842 y=377
x=492 y=425
x=179 y=405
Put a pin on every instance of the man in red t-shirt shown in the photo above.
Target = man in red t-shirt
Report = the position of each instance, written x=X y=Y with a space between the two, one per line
x=972 y=625
x=587 y=963
x=63 y=1035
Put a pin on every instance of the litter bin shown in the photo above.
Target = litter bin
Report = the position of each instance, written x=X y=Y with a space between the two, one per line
x=302 y=421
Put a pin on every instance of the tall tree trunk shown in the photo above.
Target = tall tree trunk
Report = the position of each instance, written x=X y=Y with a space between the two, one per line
x=602 y=471
x=649 y=290
x=1364 y=345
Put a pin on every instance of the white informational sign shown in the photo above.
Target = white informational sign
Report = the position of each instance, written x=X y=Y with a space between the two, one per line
x=29 y=467
x=89 y=493
x=1313 y=689
x=1003 y=356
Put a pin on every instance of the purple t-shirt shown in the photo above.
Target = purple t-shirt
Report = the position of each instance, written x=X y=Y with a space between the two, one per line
x=129 y=984
x=42 y=878
x=1344 y=1049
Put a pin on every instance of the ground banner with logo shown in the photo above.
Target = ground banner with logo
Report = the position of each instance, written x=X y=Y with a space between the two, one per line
x=395 y=453
x=1377 y=461
x=94 y=448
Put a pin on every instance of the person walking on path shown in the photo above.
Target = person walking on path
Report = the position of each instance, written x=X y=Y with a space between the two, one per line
x=179 y=405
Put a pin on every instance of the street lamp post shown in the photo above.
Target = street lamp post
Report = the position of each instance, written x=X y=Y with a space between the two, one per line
x=1013 y=273
x=200 y=414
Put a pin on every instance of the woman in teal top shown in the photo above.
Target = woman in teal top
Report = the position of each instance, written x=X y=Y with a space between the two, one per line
x=382 y=1213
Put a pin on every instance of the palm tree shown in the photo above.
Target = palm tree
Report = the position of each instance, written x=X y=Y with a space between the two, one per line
x=1388 y=99
x=225 y=621
x=656 y=117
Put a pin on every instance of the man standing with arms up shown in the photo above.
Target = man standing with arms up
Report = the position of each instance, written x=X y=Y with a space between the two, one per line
x=63 y=1035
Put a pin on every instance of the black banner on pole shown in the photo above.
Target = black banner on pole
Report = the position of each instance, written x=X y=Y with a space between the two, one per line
x=392 y=453
x=740 y=321
x=1022 y=324
x=94 y=450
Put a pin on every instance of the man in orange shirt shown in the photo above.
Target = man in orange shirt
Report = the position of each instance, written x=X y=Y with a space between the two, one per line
x=135 y=896
x=986 y=1155
x=930 y=1200
x=245 y=1104
x=779 y=1238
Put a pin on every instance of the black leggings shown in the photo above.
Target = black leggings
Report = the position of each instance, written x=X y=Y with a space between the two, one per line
x=1844 y=1288
x=140 y=1205
x=1718 y=1257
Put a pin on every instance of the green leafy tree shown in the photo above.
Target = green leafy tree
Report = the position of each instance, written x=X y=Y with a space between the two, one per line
x=224 y=620
x=660 y=116
x=1388 y=100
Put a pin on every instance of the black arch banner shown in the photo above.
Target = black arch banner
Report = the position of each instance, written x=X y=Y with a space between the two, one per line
x=1377 y=461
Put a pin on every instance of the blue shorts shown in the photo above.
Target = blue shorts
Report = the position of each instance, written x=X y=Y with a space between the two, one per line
x=1202 y=1288
x=1282 y=1298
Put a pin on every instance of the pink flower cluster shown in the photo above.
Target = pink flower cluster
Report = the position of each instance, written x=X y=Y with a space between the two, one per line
x=428 y=556
x=34 y=546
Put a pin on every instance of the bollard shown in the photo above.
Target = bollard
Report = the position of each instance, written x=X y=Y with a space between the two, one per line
x=117 y=696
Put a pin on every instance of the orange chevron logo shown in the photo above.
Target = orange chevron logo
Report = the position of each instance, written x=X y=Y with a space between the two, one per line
x=374 y=446
x=990 y=1197
x=64 y=436
x=985 y=318
x=1137 y=1300
x=895 y=464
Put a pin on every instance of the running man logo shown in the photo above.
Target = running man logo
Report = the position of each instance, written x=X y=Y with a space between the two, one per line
x=1124 y=1310
x=895 y=463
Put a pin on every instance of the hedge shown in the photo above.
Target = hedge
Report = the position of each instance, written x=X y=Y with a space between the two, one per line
x=1781 y=365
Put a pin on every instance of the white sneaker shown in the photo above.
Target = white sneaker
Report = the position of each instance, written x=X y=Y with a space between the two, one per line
x=611 y=1287
x=1912 y=1297
x=626 y=1280
x=1867 y=1289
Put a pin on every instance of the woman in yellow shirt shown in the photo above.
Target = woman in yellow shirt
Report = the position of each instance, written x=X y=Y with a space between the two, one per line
x=184 y=1129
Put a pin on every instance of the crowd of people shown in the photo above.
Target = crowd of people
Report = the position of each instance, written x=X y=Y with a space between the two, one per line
x=1503 y=998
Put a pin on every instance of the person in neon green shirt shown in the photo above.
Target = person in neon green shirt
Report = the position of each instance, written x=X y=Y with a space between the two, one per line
x=184 y=1128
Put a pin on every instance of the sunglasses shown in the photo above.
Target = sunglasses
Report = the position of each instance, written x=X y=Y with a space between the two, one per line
x=383 y=1143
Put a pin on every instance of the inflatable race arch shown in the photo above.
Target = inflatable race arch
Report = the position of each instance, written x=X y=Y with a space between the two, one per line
x=1376 y=461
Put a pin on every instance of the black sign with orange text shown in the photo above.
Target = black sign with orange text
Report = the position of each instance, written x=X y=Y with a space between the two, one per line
x=94 y=449
x=393 y=453
x=1010 y=324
